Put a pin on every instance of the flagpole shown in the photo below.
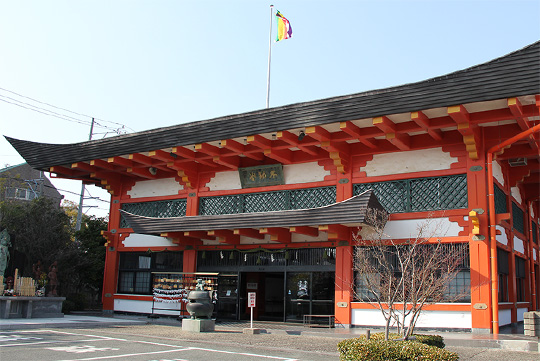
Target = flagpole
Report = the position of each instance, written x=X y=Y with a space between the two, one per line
x=269 y=57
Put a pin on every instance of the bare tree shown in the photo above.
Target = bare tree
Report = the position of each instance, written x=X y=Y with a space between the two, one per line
x=400 y=277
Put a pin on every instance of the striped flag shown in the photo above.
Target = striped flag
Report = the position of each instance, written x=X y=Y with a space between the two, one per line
x=284 y=30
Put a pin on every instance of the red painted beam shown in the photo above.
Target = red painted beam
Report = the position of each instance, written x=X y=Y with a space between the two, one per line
x=249 y=232
x=307 y=231
x=422 y=120
x=384 y=124
x=358 y=133
x=207 y=149
x=281 y=235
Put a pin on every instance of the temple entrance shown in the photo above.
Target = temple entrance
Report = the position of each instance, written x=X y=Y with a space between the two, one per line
x=287 y=296
x=288 y=283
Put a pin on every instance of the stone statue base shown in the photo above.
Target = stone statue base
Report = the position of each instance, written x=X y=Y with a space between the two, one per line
x=198 y=325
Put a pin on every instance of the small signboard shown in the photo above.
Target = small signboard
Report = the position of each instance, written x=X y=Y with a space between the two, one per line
x=263 y=175
x=251 y=299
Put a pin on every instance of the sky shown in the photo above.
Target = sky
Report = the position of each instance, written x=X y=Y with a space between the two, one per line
x=135 y=65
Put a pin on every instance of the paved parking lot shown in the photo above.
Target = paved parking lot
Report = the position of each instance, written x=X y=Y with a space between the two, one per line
x=87 y=345
x=170 y=343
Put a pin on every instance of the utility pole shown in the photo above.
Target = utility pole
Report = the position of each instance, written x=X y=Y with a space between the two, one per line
x=79 y=214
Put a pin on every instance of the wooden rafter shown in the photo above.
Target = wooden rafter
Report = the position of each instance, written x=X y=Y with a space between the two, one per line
x=249 y=232
x=422 y=120
x=229 y=162
x=225 y=236
x=306 y=231
x=277 y=234
x=336 y=231
x=179 y=238
x=468 y=129
x=292 y=140
x=357 y=133
x=284 y=156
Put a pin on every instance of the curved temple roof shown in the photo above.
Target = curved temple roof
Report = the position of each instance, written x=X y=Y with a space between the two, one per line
x=512 y=75
x=350 y=212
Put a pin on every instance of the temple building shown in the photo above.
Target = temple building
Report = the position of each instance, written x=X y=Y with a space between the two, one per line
x=274 y=201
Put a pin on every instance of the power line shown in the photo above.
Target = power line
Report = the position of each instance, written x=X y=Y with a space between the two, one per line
x=69 y=118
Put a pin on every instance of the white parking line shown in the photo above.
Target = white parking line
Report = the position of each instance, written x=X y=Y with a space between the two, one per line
x=126 y=355
x=95 y=338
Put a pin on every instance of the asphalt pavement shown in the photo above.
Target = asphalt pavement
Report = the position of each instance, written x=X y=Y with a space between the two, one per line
x=83 y=337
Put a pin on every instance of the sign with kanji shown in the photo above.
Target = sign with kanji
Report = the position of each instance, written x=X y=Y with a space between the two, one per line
x=251 y=299
x=260 y=176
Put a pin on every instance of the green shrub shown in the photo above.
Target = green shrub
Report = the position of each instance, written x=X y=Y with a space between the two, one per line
x=430 y=340
x=425 y=347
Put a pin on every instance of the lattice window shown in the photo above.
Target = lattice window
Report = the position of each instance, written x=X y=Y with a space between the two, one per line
x=392 y=195
x=268 y=201
x=517 y=218
x=159 y=209
x=534 y=232
x=312 y=197
x=500 y=201
x=419 y=194
x=220 y=205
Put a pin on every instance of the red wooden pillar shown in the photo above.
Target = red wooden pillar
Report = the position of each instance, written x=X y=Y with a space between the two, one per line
x=479 y=249
x=192 y=209
x=344 y=261
x=110 y=273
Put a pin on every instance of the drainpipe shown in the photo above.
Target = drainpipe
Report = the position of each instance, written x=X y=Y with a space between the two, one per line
x=492 y=223
x=532 y=275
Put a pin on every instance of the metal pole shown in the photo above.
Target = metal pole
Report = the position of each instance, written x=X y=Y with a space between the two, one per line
x=269 y=57
x=81 y=199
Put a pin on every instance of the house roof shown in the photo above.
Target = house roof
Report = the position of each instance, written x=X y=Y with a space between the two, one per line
x=351 y=212
x=515 y=74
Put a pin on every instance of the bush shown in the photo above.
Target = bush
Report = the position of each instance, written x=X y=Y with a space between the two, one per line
x=430 y=340
x=424 y=347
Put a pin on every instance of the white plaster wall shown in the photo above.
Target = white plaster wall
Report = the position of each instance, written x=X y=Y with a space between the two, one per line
x=292 y=174
x=502 y=238
x=225 y=181
x=138 y=306
x=438 y=227
x=497 y=172
x=514 y=191
x=145 y=240
x=531 y=211
x=518 y=245
x=520 y=312
x=434 y=319
x=505 y=317
x=408 y=162
x=133 y=306
x=534 y=255
x=155 y=188
x=304 y=173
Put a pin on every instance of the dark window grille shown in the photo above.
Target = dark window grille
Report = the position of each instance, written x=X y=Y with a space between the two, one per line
x=520 y=279
x=534 y=232
x=419 y=194
x=503 y=270
x=292 y=257
x=134 y=276
x=500 y=201
x=457 y=290
x=159 y=209
x=268 y=201
x=517 y=218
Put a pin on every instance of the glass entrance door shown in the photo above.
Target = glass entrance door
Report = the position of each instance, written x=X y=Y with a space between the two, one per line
x=309 y=293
